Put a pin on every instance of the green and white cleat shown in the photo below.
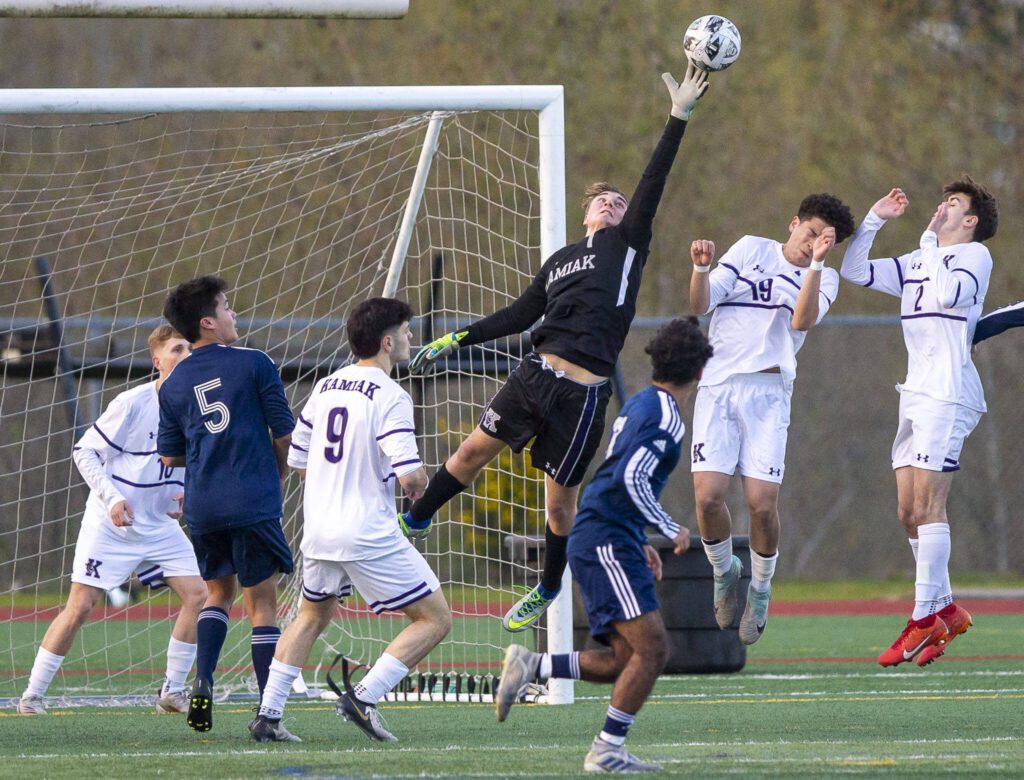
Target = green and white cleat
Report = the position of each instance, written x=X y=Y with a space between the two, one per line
x=605 y=757
x=727 y=594
x=526 y=611
x=518 y=670
x=755 y=616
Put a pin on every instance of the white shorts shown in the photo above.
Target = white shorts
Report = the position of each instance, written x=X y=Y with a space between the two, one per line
x=742 y=421
x=105 y=559
x=931 y=433
x=388 y=583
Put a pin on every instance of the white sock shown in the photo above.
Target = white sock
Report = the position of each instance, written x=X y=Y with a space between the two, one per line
x=385 y=675
x=720 y=555
x=43 y=671
x=762 y=569
x=544 y=670
x=914 y=544
x=279 y=685
x=180 y=657
x=932 y=568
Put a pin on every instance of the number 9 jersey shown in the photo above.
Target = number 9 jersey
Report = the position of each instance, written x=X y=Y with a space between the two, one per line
x=355 y=437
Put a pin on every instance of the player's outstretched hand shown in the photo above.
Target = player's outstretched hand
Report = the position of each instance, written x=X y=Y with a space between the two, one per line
x=434 y=351
x=892 y=205
x=687 y=92
x=939 y=217
x=180 y=511
x=682 y=541
x=653 y=561
x=121 y=514
x=702 y=252
x=823 y=243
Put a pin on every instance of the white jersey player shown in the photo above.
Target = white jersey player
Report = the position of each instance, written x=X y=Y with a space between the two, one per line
x=941 y=286
x=354 y=439
x=765 y=297
x=130 y=524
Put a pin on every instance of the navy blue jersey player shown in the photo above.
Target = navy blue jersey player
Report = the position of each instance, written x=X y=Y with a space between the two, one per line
x=610 y=558
x=226 y=417
x=995 y=322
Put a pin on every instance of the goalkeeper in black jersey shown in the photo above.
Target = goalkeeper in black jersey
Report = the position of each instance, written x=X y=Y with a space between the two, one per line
x=586 y=293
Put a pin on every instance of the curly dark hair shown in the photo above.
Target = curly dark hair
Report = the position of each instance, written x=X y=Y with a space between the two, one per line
x=371 y=320
x=831 y=210
x=190 y=301
x=983 y=205
x=679 y=351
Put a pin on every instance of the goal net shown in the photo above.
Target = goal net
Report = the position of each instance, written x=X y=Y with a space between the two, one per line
x=307 y=201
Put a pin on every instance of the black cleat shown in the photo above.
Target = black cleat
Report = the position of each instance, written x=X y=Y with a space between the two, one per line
x=365 y=716
x=265 y=730
x=200 y=706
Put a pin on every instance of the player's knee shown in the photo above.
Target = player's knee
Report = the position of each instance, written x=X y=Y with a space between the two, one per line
x=441 y=621
x=906 y=517
x=193 y=596
x=763 y=514
x=710 y=505
x=561 y=516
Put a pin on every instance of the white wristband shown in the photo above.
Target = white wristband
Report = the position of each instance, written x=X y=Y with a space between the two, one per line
x=817 y=265
x=701 y=269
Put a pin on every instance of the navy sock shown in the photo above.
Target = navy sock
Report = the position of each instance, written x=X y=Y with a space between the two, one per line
x=443 y=488
x=565 y=666
x=211 y=631
x=264 y=643
x=554 y=560
x=616 y=725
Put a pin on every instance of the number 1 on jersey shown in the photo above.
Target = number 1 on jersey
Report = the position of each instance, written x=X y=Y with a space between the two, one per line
x=336 y=433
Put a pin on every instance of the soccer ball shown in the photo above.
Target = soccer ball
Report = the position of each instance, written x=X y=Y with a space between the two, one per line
x=712 y=43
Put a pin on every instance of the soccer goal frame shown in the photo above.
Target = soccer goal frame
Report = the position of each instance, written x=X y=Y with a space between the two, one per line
x=546 y=100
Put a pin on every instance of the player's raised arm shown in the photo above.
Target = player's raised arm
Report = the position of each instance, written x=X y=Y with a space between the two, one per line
x=811 y=302
x=702 y=253
x=966 y=284
x=514 y=318
x=883 y=275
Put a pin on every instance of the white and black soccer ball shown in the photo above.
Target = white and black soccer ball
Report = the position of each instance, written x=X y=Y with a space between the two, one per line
x=712 y=43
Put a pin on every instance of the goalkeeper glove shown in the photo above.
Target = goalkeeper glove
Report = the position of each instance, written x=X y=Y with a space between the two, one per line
x=687 y=92
x=411 y=529
x=435 y=350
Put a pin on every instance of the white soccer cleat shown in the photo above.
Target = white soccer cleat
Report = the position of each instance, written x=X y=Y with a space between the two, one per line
x=518 y=670
x=365 y=717
x=606 y=757
x=755 y=615
x=31 y=705
x=263 y=729
x=727 y=592
x=173 y=702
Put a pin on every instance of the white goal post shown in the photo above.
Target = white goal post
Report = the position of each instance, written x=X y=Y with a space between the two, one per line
x=490 y=193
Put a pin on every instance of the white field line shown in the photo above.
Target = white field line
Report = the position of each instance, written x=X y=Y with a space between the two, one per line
x=844 y=675
x=220 y=751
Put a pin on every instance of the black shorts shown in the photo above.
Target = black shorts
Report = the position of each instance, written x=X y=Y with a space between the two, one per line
x=253 y=552
x=564 y=418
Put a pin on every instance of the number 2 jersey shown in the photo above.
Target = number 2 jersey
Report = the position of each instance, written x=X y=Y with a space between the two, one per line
x=355 y=437
x=941 y=291
x=645 y=447
x=219 y=408
x=753 y=296
x=117 y=458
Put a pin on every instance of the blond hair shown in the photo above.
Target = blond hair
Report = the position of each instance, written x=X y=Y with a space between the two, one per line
x=160 y=336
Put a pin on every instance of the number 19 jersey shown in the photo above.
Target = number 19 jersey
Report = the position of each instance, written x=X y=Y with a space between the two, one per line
x=355 y=437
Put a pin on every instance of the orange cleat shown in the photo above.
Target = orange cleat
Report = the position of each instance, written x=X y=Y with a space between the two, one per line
x=918 y=635
x=957 y=620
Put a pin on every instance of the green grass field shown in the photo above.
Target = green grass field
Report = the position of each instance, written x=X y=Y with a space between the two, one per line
x=801 y=707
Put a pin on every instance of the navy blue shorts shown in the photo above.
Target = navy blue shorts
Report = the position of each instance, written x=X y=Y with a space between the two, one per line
x=253 y=552
x=614 y=580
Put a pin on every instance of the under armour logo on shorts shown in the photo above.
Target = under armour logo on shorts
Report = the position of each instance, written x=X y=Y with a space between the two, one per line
x=774 y=472
x=489 y=420
x=922 y=458
x=698 y=453
x=92 y=568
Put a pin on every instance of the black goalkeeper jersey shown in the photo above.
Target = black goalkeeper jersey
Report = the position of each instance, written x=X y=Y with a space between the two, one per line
x=587 y=291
